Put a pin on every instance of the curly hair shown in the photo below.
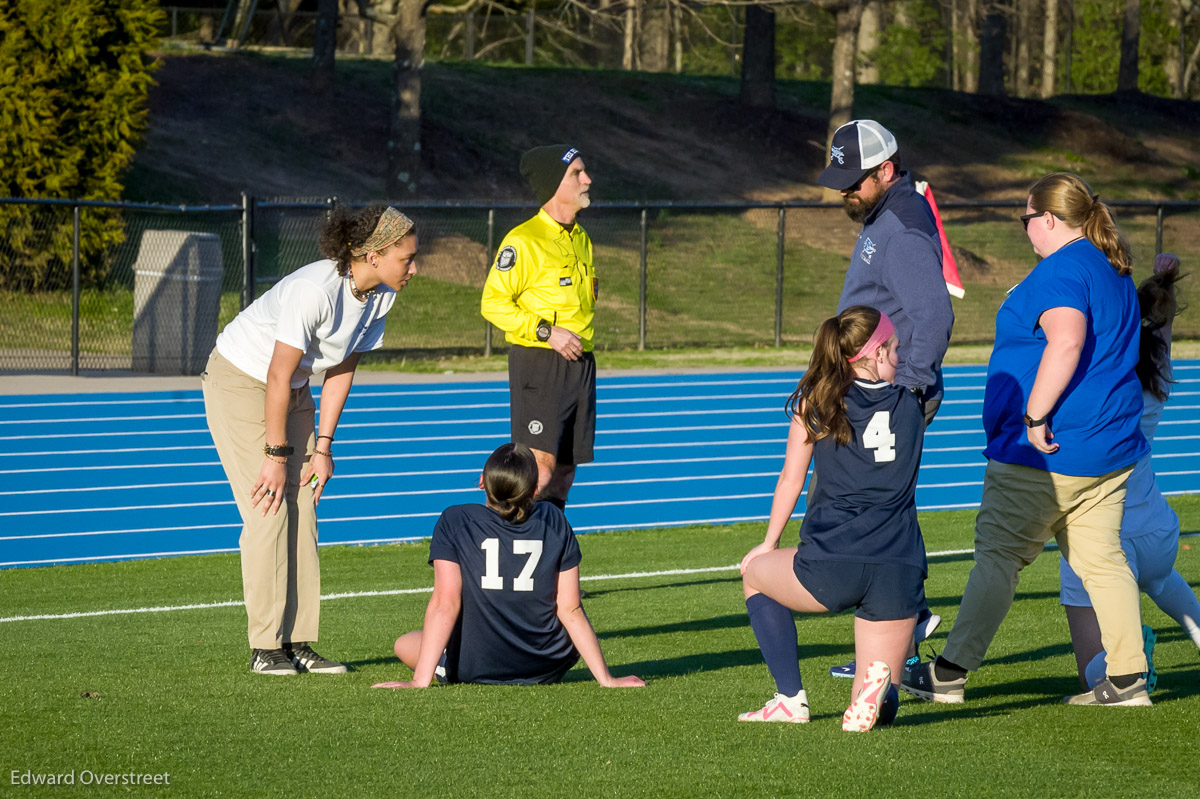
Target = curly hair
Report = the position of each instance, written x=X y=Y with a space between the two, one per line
x=1156 y=300
x=343 y=231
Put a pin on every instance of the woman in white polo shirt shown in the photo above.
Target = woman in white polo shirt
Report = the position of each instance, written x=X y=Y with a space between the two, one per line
x=320 y=318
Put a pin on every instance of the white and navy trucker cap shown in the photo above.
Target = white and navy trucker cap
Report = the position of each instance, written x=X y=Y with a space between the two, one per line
x=858 y=147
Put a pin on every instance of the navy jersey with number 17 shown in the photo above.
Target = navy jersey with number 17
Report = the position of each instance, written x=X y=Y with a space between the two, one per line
x=864 y=508
x=508 y=629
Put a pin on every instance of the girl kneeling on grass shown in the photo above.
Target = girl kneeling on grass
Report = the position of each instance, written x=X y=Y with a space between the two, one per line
x=506 y=605
x=860 y=545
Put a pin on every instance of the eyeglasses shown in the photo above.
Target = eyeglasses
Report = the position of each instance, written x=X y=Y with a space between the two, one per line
x=1026 y=217
x=863 y=180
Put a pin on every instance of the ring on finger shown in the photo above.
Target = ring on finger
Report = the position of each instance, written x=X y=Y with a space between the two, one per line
x=270 y=492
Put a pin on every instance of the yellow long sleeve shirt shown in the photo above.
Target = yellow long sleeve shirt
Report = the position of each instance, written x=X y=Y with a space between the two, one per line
x=542 y=271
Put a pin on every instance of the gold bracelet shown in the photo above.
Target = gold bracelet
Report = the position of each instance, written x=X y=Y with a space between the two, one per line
x=326 y=454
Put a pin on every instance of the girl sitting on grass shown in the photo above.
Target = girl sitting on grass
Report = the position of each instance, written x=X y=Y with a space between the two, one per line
x=506 y=605
x=860 y=546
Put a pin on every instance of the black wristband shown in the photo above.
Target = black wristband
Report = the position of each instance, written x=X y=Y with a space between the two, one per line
x=1031 y=422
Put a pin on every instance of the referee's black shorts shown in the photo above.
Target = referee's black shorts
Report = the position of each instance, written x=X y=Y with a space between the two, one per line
x=553 y=402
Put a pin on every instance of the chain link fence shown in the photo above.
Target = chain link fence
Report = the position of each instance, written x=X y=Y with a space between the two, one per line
x=97 y=286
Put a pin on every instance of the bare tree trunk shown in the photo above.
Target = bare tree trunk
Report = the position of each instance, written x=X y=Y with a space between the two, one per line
x=902 y=14
x=1049 y=49
x=655 y=40
x=758 y=58
x=1024 y=32
x=841 y=101
x=1190 y=71
x=631 y=15
x=953 y=54
x=404 y=137
x=1173 y=64
x=991 y=51
x=970 y=29
x=239 y=22
x=676 y=37
x=868 y=40
x=1127 y=75
x=325 y=44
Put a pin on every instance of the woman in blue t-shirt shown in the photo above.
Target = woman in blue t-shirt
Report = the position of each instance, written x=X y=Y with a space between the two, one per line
x=860 y=546
x=506 y=605
x=1061 y=414
x=1150 y=528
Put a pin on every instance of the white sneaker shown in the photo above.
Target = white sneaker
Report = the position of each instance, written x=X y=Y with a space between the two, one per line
x=792 y=709
x=864 y=710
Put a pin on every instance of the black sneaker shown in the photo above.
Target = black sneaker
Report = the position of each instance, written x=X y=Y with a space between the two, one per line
x=306 y=660
x=920 y=681
x=271 y=661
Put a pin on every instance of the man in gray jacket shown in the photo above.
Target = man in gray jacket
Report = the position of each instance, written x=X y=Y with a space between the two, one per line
x=896 y=266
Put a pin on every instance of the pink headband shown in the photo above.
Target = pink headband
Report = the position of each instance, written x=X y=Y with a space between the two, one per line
x=882 y=333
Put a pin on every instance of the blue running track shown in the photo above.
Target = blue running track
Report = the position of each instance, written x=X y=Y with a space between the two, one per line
x=118 y=476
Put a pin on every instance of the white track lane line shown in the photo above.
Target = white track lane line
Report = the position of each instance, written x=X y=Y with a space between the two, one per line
x=233 y=603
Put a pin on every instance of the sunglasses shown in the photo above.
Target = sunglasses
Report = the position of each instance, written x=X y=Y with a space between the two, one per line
x=1026 y=217
x=863 y=180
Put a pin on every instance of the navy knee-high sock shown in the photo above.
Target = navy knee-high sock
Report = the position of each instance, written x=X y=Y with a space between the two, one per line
x=775 y=630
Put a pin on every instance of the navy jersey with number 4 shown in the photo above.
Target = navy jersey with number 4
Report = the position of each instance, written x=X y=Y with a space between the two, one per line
x=508 y=629
x=864 y=508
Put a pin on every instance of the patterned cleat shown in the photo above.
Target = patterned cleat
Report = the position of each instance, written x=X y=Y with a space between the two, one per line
x=1109 y=695
x=921 y=682
x=307 y=661
x=1148 y=641
x=271 y=661
x=789 y=709
x=864 y=710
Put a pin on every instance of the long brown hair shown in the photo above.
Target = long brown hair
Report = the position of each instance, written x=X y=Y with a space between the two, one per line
x=1070 y=199
x=819 y=399
x=510 y=479
x=1156 y=299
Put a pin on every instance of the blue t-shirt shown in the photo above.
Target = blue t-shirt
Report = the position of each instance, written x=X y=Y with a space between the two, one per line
x=508 y=629
x=864 y=509
x=1095 y=422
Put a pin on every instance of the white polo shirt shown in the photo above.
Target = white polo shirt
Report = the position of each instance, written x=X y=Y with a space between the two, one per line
x=313 y=310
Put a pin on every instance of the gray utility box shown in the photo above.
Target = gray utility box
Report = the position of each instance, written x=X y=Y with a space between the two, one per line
x=176 y=301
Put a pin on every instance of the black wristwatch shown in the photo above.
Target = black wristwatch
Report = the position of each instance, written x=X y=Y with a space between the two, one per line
x=543 y=330
x=1031 y=422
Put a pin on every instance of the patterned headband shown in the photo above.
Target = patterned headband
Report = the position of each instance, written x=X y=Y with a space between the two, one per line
x=392 y=227
x=883 y=332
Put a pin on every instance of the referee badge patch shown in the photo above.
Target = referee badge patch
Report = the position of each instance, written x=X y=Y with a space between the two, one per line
x=506 y=259
x=535 y=427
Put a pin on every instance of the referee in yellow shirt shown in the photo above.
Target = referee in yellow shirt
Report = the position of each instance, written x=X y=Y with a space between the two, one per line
x=541 y=291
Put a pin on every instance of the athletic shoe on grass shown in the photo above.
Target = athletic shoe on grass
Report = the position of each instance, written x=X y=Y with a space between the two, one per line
x=1148 y=641
x=864 y=710
x=308 y=661
x=791 y=709
x=921 y=682
x=271 y=661
x=927 y=623
x=1111 y=696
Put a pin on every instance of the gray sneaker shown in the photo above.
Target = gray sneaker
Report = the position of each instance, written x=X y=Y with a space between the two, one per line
x=307 y=661
x=271 y=661
x=921 y=682
x=1108 y=694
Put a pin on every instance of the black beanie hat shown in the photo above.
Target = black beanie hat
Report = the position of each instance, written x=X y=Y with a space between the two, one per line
x=544 y=168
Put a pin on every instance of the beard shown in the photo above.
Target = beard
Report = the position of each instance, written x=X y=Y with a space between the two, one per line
x=858 y=207
x=585 y=200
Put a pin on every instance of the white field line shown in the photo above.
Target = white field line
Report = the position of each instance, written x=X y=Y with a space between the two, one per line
x=232 y=603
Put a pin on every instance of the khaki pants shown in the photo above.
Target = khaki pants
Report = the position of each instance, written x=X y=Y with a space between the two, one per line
x=281 y=574
x=1022 y=509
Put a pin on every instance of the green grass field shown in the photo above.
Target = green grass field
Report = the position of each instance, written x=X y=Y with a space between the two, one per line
x=170 y=691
